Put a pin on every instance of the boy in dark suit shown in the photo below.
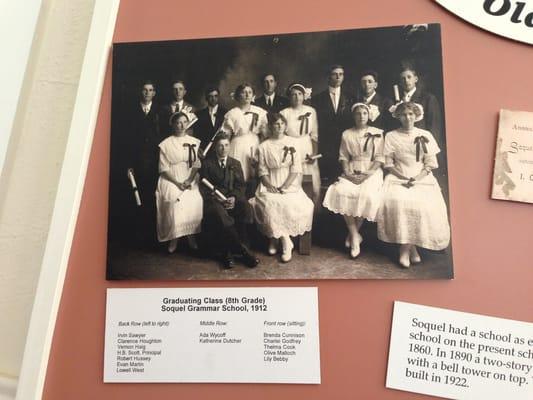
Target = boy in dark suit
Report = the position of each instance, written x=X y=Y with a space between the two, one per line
x=334 y=117
x=179 y=90
x=270 y=100
x=225 y=221
x=135 y=150
x=210 y=118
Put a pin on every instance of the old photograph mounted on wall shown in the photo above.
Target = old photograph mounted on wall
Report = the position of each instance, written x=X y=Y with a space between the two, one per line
x=286 y=156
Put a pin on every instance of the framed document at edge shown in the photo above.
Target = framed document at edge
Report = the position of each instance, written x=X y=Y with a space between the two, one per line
x=67 y=202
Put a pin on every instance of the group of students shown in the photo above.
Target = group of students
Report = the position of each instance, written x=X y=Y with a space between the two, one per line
x=274 y=141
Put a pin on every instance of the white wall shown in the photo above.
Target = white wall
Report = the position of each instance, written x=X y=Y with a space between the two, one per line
x=31 y=170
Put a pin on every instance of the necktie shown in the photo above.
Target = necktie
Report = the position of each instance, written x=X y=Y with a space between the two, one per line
x=222 y=164
x=269 y=102
x=334 y=101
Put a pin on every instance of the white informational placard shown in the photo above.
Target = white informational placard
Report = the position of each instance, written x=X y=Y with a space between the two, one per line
x=509 y=18
x=259 y=335
x=458 y=355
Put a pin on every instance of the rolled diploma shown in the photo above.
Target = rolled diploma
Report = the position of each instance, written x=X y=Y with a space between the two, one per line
x=211 y=187
x=396 y=93
x=134 y=187
x=315 y=157
x=211 y=142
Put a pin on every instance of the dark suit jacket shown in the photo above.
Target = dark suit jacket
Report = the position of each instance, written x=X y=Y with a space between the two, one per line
x=164 y=116
x=280 y=103
x=203 y=128
x=139 y=144
x=229 y=181
x=330 y=128
x=134 y=144
x=383 y=104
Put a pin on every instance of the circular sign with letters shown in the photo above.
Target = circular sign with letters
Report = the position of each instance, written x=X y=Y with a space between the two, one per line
x=509 y=18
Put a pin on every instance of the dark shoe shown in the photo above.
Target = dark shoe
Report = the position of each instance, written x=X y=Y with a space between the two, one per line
x=249 y=260
x=227 y=261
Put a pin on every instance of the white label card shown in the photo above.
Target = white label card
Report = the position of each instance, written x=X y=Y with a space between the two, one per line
x=259 y=335
x=458 y=355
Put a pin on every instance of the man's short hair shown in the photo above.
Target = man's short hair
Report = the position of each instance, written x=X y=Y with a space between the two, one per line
x=333 y=67
x=370 y=72
x=408 y=65
x=177 y=80
x=147 y=82
x=211 y=89
x=221 y=136
x=263 y=77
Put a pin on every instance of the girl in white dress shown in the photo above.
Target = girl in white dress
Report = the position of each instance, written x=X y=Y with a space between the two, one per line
x=281 y=207
x=413 y=212
x=245 y=123
x=179 y=202
x=302 y=125
x=357 y=193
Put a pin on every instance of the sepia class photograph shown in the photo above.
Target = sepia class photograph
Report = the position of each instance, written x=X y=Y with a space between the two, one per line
x=318 y=155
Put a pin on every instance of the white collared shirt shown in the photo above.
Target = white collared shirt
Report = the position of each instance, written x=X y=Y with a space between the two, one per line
x=369 y=98
x=213 y=114
x=335 y=94
x=146 y=107
x=223 y=160
x=269 y=99
x=407 y=96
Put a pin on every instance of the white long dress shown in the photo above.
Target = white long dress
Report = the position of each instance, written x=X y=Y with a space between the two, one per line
x=360 y=148
x=276 y=214
x=302 y=125
x=244 y=127
x=179 y=213
x=415 y=215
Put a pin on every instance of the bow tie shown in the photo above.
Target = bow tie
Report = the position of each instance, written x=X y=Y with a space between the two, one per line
x=304 y=122
x=255 y=118
x=369 y=136
x=287 y=150
x=192 y=153
x=421 y=141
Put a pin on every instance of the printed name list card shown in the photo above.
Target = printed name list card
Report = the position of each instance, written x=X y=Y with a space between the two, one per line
x=513 y=164
x=457 y=355
x=263 y=335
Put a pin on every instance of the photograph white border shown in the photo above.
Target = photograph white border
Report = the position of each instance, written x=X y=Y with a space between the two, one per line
x=68 y=198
